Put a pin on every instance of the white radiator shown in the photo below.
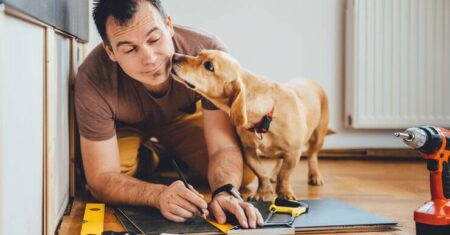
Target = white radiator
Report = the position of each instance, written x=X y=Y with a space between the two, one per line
x=397 y=63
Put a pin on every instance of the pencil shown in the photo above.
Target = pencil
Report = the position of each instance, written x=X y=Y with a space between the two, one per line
x=181 y=175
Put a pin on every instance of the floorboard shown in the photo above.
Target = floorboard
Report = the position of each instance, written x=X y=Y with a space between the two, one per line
x=392 y=188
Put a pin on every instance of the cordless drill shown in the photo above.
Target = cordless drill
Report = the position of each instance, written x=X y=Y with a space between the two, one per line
x=433 y=143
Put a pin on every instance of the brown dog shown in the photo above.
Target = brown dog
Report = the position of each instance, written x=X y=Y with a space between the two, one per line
x=272 y=119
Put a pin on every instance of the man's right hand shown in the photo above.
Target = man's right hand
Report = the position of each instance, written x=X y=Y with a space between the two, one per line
x=102 y=168
x=178 y=203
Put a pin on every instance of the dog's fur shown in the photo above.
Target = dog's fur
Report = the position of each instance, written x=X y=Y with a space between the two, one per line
x=300 y=116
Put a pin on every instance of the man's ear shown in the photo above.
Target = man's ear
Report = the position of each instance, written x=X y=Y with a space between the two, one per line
x=238 y=112
x=109 y=51
x=169 y=25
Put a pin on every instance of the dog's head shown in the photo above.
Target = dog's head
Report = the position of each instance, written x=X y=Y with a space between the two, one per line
x=215 y=75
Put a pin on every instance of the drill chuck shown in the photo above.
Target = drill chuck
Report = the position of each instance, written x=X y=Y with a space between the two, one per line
x=413 y=137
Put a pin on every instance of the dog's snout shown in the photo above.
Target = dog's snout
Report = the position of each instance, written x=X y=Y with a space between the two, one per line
x=177 y=58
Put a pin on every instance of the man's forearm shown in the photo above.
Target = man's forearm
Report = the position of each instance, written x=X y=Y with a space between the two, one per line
x=225 y=167
x=117 y=188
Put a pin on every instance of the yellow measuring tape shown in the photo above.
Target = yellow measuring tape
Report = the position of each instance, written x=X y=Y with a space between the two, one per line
x=94 y=215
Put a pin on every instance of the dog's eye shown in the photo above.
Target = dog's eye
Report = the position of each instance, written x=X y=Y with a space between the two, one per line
x=209 y=66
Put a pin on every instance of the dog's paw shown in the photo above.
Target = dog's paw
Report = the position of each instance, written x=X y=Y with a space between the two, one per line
x=262 y=195
x=273 y=179
x=315 y=179
x=287 y=194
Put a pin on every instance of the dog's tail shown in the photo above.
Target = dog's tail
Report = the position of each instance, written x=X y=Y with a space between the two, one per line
x=330 y=132
x=325 y=113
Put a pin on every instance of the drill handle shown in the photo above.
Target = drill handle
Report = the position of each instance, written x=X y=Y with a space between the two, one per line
x=439 y=179
x=444 y=156
x=446 y=179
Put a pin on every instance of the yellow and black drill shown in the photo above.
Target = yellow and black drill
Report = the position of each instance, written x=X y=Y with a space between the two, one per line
x=433 y=143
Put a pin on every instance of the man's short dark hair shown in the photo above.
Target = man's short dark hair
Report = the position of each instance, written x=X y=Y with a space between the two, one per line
x=121 y=10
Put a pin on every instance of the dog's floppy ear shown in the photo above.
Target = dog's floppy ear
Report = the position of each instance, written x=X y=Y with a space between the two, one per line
x=238 y=112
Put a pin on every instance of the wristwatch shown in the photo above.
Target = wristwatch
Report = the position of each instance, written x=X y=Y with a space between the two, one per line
x=229 y=188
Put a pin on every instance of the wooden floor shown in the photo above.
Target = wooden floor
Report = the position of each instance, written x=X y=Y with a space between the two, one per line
x=388 y=187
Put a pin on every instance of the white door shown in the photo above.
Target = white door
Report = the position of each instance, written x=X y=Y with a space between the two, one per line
x=58 y=76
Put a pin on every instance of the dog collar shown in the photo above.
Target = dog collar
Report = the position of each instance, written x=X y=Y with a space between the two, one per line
x=263 y=126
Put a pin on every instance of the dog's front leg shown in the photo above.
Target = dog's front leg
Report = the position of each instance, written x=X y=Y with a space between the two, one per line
x=276 y=170
x=265 y=190
x=284 y=188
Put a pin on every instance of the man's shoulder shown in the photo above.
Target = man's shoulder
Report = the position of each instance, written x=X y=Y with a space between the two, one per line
x=97 y=70
x=194 y=33
x=191 y=41
x=97 y=77
x=97 y=63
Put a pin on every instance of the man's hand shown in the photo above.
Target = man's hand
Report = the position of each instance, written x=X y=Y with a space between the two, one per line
x=245 y=213
x=178 y=203
x=222 y=143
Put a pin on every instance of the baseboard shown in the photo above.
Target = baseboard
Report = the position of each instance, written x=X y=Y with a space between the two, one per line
x=358 y=153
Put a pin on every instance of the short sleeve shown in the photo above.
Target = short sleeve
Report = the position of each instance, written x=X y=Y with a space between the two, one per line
x=94 y=115
x=217 y=44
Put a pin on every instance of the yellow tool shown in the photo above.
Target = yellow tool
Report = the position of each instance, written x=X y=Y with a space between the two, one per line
x=278 y=205
x=294 y=208
x=94 y=215
x=222 y=227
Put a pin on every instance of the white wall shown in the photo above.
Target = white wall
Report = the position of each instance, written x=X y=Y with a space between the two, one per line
x=21 y=126
x=282 y=40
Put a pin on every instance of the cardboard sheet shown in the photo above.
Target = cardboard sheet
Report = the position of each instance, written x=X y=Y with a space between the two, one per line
x=328 y=215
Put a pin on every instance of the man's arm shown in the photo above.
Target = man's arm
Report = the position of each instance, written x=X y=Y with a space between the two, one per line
x=225 y=158
x=106 y=183
x=225 y=167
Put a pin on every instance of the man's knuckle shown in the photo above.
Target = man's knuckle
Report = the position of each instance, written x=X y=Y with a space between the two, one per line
x=165 y=213
x=235 y=209
x=246 y=204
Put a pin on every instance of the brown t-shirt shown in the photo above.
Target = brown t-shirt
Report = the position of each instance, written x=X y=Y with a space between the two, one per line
x=106 y=98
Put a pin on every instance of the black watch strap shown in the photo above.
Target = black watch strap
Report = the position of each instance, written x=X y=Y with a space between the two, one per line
x=229 y=188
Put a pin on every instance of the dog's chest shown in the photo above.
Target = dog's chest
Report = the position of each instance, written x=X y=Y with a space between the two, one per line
x=266 y=146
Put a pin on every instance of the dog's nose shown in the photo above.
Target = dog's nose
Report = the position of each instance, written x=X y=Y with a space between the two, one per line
x=177 y=58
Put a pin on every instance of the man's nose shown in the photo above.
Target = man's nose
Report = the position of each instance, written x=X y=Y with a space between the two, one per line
x=148 y=55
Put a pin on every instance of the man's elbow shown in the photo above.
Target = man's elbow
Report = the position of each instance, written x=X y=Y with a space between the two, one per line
x=95 y=194
x=97 y=188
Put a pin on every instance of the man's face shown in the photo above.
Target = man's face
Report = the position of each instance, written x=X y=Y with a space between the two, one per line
x=144 y=47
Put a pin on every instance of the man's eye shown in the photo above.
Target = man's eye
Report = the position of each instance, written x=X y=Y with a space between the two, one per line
x=209 y=66
x=129 y=51
x=153 y=40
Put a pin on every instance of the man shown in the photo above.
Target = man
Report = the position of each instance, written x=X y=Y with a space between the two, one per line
x=125 y=97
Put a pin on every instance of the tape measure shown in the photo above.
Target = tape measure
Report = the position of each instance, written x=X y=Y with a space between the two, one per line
x=94 y=215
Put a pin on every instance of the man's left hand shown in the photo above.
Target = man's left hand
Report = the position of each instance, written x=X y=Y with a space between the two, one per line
x=247 y=215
